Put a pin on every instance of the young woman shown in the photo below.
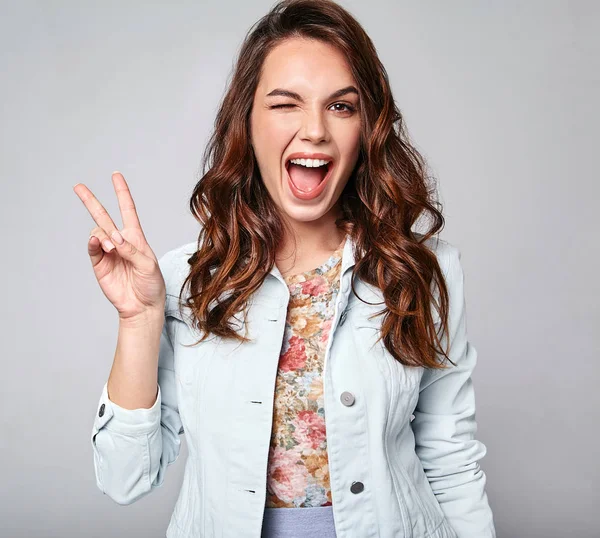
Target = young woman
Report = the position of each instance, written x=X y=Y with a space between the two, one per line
x=306 y=413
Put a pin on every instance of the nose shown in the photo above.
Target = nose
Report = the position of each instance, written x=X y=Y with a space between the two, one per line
x=314 y=127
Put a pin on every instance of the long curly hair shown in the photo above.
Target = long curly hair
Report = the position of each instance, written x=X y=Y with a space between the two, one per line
x=387 y=192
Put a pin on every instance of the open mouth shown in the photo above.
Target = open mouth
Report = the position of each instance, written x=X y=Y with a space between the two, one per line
x=307 y=179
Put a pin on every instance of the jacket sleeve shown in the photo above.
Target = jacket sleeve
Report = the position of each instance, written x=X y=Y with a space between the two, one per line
x=132 y=448
x=445 y=424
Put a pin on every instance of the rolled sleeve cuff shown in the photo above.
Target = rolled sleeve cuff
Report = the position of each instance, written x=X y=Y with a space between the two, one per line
x=132 y=422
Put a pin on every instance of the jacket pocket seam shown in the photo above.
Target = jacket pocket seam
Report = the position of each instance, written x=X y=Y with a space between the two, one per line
x=185 y=502
x=407 y=522
x=426 y=510
x=430 y=534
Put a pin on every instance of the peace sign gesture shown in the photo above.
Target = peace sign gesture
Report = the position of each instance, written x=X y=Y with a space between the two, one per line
x=124 y=264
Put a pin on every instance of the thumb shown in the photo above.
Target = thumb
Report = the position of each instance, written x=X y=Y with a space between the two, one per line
x=130 y=252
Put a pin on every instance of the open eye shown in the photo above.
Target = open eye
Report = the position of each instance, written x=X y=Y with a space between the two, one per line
x=349 y=108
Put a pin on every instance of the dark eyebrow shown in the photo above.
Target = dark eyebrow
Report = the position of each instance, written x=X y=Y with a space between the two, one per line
x=297 y=97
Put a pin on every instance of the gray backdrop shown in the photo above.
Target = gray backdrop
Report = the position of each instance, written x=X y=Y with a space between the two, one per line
x=501 y=97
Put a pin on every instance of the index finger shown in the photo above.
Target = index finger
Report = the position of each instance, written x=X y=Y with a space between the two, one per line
x=95 y=208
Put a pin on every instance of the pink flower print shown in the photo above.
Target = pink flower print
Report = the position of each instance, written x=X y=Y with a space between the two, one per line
x=325 y=329
x=316 y=391
x=287 y=476
x=314 y=286
x=310 y=430
x=294 y=357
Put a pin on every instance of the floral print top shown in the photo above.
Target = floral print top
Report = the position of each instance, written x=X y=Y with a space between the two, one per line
x=298 y=467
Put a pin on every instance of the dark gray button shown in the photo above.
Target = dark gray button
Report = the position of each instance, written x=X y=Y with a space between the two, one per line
x=101 y=412
x=347 y=398
x=343 y=317
x=357 y=487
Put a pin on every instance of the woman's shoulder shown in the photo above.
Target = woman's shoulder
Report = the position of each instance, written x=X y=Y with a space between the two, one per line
x=174 y=266
x=447 y=253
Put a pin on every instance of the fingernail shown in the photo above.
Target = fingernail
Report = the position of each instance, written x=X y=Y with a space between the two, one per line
x=117 y=237
x=108 y=245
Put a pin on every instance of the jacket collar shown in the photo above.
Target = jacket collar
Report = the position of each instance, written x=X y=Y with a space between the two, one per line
x=348 y=262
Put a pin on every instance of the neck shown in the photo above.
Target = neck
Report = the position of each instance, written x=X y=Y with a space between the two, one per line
x=308 y=244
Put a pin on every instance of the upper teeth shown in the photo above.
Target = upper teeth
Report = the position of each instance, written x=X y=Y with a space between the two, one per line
x=310 y=162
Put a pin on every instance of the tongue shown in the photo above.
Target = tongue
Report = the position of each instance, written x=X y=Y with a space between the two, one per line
x=307 y=179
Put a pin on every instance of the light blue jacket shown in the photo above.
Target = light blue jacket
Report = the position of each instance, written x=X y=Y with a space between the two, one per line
x=407 y=434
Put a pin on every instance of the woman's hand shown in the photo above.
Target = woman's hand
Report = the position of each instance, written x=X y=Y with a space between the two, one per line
x=127 y=272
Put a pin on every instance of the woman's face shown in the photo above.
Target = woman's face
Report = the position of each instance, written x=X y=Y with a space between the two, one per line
x=314 y=121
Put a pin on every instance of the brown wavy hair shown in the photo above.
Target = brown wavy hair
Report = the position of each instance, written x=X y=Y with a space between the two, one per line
x=387 y=192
